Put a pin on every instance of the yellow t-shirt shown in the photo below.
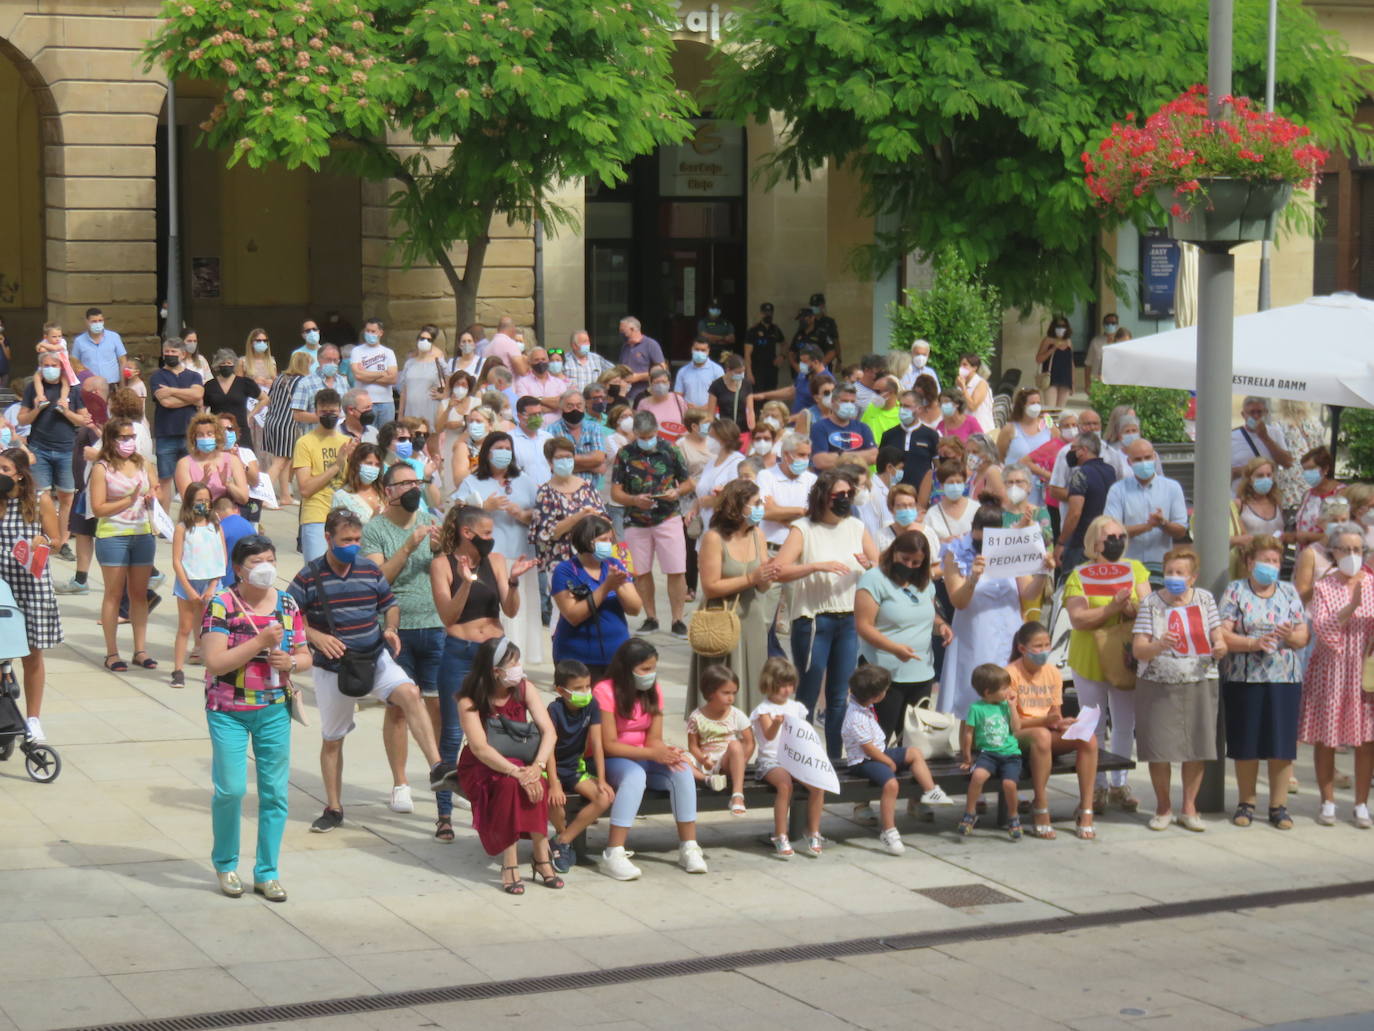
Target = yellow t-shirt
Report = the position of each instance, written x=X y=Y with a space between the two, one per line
x=317 y=454
x=1083 y=658
x=1036 y=695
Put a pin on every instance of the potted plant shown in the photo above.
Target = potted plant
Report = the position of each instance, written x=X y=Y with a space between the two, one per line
x=1220 y=180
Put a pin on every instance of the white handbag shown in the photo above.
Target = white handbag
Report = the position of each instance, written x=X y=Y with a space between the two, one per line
x=936 y=734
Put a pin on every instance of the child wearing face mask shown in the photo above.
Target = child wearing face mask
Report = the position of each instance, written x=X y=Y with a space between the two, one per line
x=578 y=763
x=198 y=561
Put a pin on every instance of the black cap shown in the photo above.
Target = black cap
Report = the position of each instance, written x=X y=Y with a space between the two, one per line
x=818 y=299
x=766 y=307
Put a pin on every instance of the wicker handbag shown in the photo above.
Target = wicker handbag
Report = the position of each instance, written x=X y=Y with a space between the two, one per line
x=713 y=632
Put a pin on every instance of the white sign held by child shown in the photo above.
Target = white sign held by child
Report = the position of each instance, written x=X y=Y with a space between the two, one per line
x=1019 y=551
x=162 y=522
x=801 y=752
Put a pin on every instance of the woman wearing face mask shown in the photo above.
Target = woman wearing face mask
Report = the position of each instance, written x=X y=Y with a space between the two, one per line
x=280 y=429
x=121 y=492
x=723 y=444
x=257 y=362
x=984 y=469
x=239 y=396
x=1360 y=497
x=1335 y=711
x=669 y=408
x=1303 y=431
x=1105 y=594
x=825 y=553
x=905 y=515
x=728 y=394
x=424 y=377
x=896 y=616
x=928 y=411
x=1038 y=695
x=1025 y=431
x=1123 y=430
x=254 y=641
x=1177 y=638
x=776 y=417
x=763 y=446
x=1255 y=512
x=509 y=800
x=976 y=391
x=208 y=462
x=953 y=516
x=595 y=595
x=466 y=445
x=1265 y=629
x=637 y=757
x=1318 y=472
x=987 y=610
x=1055 y=356
x=954 y=418
x=620 y=420
x=361 y=492
x=459 y=399
x=465 y=356
x=26 y=515
x=499 y=488
x=737 y=572
x=195 y=361
x=560 y=505
x=1020 y=509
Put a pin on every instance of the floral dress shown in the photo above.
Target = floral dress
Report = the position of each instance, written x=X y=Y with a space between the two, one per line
x=1335 y=710
x=551 y=507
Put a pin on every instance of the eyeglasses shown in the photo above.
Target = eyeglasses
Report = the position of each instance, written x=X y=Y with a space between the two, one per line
x=838 y=495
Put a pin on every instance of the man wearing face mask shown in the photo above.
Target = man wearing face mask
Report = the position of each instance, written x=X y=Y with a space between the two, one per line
x=694 y=379
x=1255 y=437
x=310 y=343
x=542 y=381
x=319 y=461
x=101 y=350
x=918 y=443
x=785 y=488
x=1064 y=462
x=587 y=435
x=327 y=376
x=841 y=435
x=401 y=541
x=1150 y=506
x=1112 y=333
x=177 y=393
x=1090 y=482
x=581 y=365
x=761 y=349
x=528 y=438
x=360 y=416
x=375 y=368
x=639 y=354
x=716 y=330
x=920 y=365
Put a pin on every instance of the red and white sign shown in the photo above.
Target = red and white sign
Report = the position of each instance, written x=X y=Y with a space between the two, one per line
x=1104 y=579
x=34 y=560
x=1187 y=630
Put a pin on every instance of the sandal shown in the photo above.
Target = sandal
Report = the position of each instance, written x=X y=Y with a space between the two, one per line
x=1278 y=816
x=782 y=847
x=737 y=808
x=1083 y=833
x=1044 y=830
x=443 y=828
x=515 y=887
x=147 y=662
x=1014 y=828
x=549 y=882
x=966 y=824
x=1244 y=814
x=118 y=666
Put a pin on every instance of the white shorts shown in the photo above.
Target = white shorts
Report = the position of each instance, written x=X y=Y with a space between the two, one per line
x=336 y=708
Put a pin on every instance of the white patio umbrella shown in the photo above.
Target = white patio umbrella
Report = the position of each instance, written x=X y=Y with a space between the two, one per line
x=1321 y=351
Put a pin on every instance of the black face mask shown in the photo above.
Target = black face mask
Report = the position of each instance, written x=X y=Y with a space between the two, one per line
x=483 y=545
x=367 y=418
x=329 y=420
x=224 y=370
x=902 y=574
x=1113 y=547
x=410 y=500
x=170 y=361
x=1072 y=460
x=599 y=407
x=417 y=441
x=6 y=485
x=539 y=368
x=842 y=506
x=574 y=417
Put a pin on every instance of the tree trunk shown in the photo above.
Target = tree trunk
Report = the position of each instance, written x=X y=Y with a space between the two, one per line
x=464 y=287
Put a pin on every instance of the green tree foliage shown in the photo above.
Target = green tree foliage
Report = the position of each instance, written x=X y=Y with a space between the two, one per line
x=966 y=119
x=1161 y=412
x=475 y=107
x=1356 y=441
x=960 y=314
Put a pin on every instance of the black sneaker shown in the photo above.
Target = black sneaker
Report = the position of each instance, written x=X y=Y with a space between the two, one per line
x=66 y=554
x=327 y=821
x=443 y=776
x=649 y=626
x=178 y=678
x=680 y=629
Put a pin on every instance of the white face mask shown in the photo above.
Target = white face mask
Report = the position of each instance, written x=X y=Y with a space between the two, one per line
x=762 y=447
x=1034 y=411
x=1367 y=517
x=626 y=425
x=1016 y=494
x=1350 y=564
x=918 y=361
x=1068 y=433
x=264 y=574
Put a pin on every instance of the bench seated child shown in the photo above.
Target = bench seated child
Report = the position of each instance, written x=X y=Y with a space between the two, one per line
x=991 y=727
x=574 y=713
x=718 y=735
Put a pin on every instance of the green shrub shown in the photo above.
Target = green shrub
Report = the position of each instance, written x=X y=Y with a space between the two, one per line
x=1356 y=441
x=960 y=314
x=1161 y=411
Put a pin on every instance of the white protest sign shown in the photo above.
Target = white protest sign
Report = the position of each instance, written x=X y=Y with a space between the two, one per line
x=801 y=752
x=1085 y=726
x=264 y=491
x=1019 y=551
x=162 y=522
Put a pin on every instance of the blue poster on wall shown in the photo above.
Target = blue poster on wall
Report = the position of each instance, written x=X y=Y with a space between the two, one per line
x=1159 y=257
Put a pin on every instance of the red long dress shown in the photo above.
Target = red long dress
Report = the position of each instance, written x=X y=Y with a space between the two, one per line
x=502 y=813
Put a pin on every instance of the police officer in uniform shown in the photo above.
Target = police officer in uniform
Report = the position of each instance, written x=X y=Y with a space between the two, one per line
x=761 y=349
x=817 y=329
x=825 y=326
x=716 y=330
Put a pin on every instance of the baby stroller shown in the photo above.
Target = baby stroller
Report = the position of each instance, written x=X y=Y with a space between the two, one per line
x=41 y=761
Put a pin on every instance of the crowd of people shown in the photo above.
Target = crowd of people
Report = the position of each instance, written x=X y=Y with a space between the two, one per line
x=464 y=515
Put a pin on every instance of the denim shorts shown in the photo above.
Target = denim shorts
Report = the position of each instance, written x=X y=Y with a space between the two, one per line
x=878 y=773
x=53 y=470
x=170 y=450
x=135 y=549
x=199 y=585
x=1002 y=767
x=421 y=652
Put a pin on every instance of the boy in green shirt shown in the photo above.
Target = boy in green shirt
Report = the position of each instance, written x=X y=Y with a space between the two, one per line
x=991 y=726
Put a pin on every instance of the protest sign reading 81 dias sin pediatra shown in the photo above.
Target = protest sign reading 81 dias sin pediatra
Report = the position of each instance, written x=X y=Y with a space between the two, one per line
x=801 y=752
x=1019 y=551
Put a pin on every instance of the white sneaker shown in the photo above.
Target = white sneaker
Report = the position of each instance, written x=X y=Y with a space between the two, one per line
x=1327 y=816
x=892 y=841
x=615 y=864
x=35 y=731
x=1362 y=819
x=690 y=858
x=863 y=813
x=401 y=802
x=459 y=802
x=936 y=796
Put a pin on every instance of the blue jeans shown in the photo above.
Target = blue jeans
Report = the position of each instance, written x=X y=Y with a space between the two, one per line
x=385 y=413
x=53 y=470
x=269 y=730
x=630 y=777
x=826 y=649
x=421 y=653
x=453 y=670
x=312 y=541
x=169 y=450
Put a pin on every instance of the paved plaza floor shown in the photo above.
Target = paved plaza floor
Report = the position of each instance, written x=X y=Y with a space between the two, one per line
x=112 y=913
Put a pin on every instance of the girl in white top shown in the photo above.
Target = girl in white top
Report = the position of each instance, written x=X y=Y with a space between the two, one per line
x=1257 y=506
x=953 y=516
x=778 y=685
x=977 y=391
x=722 y=443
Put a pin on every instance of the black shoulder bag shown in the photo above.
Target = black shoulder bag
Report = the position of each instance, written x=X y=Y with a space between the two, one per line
x=357 y=670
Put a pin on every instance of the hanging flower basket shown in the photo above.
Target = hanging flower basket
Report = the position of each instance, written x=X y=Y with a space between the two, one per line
x=1224 y=210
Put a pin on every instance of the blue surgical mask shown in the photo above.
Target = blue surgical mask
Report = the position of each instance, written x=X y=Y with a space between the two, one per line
x=756 y=513
x=1263 y=484
x=563 y=466
x=713 y=312
x=1127 y=439
x=603 y=549
x=1265 y=574
x=897 y=477
x=1176 y=585
x=97 y=328
x=947 y=409
x=904 y=516
x=231 y=438
x=646 y=445
x=477 y=430
x=1037 y=658
x=584 y=349
x=329 y=369
x=369 y=473
x=345 y=553
x=205 y=444
x=6 y=435
x=1251 y=423
x=259 y=346
x=51 y=373
x=370 y=338
x=1144 y=469
x=847 y=410
x=906 y=416
x=403 y=448
x=555 y=368
x=953 y=491
x=646 y=681
x=1311 y=477
x=312 y=337
x=699 y=357
x=798 y=466
x=501 y=458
